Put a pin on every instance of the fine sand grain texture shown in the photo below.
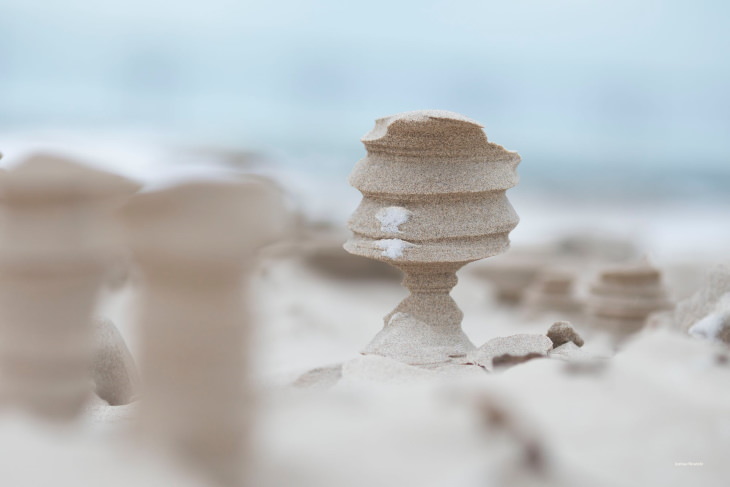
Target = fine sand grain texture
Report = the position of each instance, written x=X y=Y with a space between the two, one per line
x=562 y=332
x=510 y=350
x=433 y=200
x=114 y=371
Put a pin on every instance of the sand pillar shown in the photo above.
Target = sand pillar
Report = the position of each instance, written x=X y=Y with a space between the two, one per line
x=552 y=292
x=193 y=245
x=56 y=237
x=433 y=200
x=429 y=300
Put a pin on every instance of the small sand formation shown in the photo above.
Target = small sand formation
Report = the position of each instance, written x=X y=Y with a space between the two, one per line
x=562 y=332
x=433 y=200
x=114 y=372
x=623 y=297
x=511 y=274
x=552 y=291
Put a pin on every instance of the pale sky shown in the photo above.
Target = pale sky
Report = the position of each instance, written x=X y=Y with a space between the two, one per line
x=581 y=83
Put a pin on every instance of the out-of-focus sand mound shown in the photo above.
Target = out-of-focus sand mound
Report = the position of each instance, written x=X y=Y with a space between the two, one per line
x=637 y=419
x=649 y=413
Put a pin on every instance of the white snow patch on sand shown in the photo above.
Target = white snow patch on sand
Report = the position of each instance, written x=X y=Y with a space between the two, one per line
x=716 y=324
x=710 y=326
x=393 y=247
x=392 y=217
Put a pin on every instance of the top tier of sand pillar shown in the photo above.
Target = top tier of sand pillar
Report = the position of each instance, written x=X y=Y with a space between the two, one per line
x=433 y=191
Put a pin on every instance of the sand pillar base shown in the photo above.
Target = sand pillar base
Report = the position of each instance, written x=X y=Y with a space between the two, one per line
x=194 y=365
x=425 y=328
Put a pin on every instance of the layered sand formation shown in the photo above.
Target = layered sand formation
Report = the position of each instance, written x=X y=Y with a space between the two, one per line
x=57 y=242
x=552 y=291
x=194 y=244
x=623 y=297
x=433 y=200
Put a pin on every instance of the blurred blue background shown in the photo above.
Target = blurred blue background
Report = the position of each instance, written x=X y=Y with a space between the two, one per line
x=624 y=98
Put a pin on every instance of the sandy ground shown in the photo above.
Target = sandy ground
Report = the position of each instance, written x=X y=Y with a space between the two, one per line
x=654 y=412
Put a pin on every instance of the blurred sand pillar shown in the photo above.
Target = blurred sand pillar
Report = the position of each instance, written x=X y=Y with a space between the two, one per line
x=193 y=245
x=623 y=297
x=552 y=292
x=56 y=235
